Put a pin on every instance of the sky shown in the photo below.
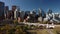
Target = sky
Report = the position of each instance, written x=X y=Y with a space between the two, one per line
x=54 y=5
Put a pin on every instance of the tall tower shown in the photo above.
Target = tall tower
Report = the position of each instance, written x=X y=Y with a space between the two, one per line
x=49 y=11
x=6 y=11
x=15 y=11
x=14 y=7
x=42 y=15
x=2 y=10
x=40 y=12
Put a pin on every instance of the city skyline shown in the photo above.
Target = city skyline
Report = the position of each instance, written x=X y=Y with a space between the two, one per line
x=34 y=4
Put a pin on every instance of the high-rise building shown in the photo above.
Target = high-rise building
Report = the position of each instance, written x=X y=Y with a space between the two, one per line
x=42 y=15
x=13 y=11
x=22 y=14
x=14 y=7
x=40 y=12
x=6 y=11
x=27 y=12
x=9 y=14
x=6 y=8
x=2 y=10
x=49 y=11
x=16 y=13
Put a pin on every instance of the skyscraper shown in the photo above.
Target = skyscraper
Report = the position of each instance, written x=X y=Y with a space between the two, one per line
x=14 y=7
x=2 y=10
x=49 y=11
x=42 y=15
x=40 y=12
x=6 y=11
x=22 y=14
x=16 y=13
x=13 y=11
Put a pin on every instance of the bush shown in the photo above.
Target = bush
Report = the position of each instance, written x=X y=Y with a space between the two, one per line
x=15 y=21
x=7 y=29
x=26 y=27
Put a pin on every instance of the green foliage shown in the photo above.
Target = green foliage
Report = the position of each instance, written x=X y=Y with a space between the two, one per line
x=12 y=29
x=26 y=27
x=15 y=21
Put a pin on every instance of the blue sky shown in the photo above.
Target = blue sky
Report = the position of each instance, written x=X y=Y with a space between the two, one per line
x=34 y=4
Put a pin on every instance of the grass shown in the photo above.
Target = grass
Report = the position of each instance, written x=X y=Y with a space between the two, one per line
x=43 y=31
x=54 y=31
x=40 y=31
x=57 y=29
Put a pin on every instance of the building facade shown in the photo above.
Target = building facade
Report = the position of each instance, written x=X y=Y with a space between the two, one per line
x=6 y=11
x=2 y=10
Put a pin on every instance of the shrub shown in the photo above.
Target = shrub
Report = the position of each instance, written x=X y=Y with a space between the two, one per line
x=15 y=21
